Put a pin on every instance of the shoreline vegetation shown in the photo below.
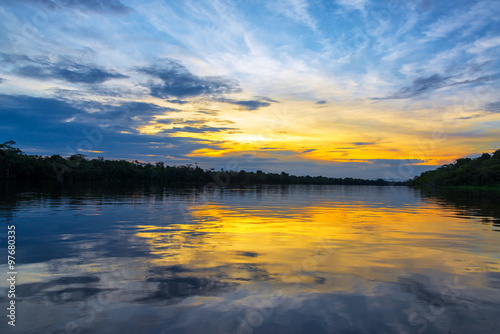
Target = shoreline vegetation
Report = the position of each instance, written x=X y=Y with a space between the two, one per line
x=481 y=173
x=17 y=167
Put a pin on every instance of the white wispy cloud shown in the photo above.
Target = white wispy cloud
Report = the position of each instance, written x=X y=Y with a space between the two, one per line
x=296 y=10
x=463 y=22
x=484 y=44
x=354 y=4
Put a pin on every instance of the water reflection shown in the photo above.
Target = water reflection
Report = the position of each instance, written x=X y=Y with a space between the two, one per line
x=291 y=259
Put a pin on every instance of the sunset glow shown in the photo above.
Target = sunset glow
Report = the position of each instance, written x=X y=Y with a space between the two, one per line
x=362 y=88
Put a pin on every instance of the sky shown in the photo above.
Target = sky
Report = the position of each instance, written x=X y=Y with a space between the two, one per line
x=346 y=88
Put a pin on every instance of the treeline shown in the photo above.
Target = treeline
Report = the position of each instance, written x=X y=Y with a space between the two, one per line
x=18 y=167
x=483 y=171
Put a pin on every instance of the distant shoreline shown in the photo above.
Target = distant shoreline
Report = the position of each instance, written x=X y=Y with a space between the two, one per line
x=16 y=167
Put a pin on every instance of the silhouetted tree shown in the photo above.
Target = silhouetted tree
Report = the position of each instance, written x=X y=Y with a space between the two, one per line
x=16 y=166
x=481 y=171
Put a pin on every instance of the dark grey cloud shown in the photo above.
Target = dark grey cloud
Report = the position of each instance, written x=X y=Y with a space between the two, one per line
x=420 y=86
x=177 y=101
x=250 y=104
x=49 y=114
x=363 y=143
x=11 y=58
x=177 y=82
x=473 y=81
x=1 y=80
x=74 y=73
x=431 y=83
x=127 y=116
x=469 y=117
x=208 y=112
x=310 y=150
x=133 y=111
x=200 y=129
x=63 y=69
x=32 y=112
x=53 y=126
x=95 y=6
x=493 y=107
x=264 y=98
x=181 y=121
x=321 y=102
x=259 y=102
x=142 y=108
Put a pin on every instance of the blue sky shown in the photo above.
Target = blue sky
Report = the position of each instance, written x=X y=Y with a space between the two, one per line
x=337 y=88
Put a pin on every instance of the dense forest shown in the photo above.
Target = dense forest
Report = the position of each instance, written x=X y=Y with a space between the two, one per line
x=483 y=171
x=17 y=167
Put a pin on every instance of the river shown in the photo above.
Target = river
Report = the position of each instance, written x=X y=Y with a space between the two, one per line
x=271 y=259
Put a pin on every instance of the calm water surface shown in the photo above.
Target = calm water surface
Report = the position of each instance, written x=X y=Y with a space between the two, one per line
x=289 y=259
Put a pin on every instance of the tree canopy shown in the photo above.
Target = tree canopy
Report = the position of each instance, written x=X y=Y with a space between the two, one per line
x=18 y=167
x=481 y=171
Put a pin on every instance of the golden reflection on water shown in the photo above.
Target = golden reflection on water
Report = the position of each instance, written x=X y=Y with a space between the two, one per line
x=323 y=240
x=327 y=259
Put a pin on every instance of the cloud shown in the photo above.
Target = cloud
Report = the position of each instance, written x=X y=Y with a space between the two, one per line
x=421 y=85
x=134 y=109
x=493 y=107
x=176 y=81
x=95 y=6
x=192 y=129
x=89 y=92
x=208 y=112
x=310 y=150
x=177 y=101
x=59 y=127
x=135 y=93
x=128 y=116
x=75 y=73
x=276 y=56
x=354 y=4
x=35 y=113
x=10 y=58
x=465 y=21
x=181 y=121
x=40 y=114
x=1 y=80
x=64 y=69
x=484 y=78
x=296 y=10
x=249 y=104
x=363 y=143
x=62 y=128
x=434 y=82
x=264 y=98
x=484 y=44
